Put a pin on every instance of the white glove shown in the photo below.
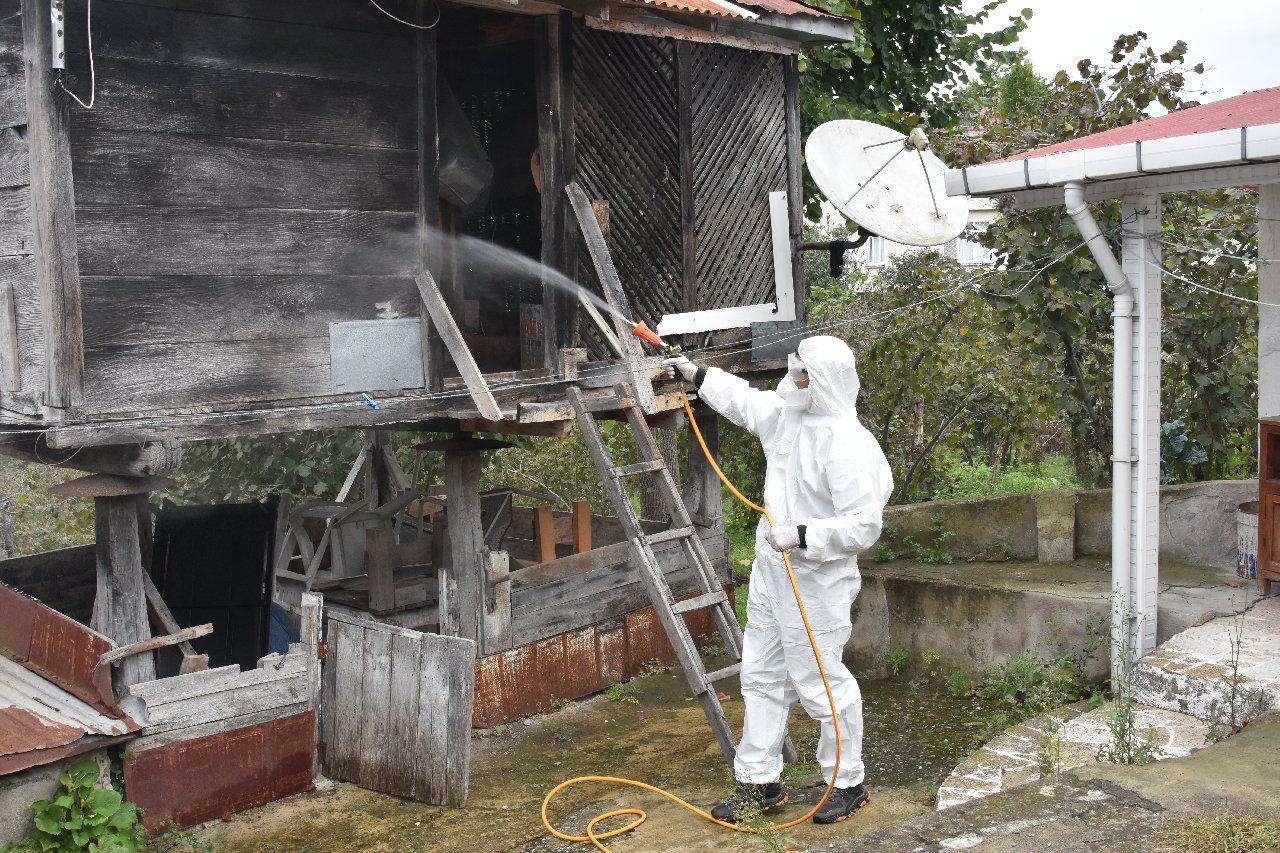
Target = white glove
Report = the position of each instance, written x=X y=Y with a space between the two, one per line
x=682 y=365
x=783 y=538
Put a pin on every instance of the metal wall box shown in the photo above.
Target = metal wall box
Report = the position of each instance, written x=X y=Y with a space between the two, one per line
x=376 y=355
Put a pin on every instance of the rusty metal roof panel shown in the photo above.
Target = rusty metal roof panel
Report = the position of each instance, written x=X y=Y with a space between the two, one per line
x=789 y=7
x=36 y=714
x=704 y=7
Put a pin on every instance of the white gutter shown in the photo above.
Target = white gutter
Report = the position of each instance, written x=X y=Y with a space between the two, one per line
x=1236 y=146
x=1122 y=640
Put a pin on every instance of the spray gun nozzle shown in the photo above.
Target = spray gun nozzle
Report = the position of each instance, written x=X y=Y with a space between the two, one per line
x=642 y=331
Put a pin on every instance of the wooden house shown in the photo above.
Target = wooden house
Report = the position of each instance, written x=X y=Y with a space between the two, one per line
x=256 y=216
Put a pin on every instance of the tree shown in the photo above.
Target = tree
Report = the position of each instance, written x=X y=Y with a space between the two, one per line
x=1065 y=314
x=907 y=58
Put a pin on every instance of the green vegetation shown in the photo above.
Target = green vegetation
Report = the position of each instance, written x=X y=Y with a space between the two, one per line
x=82 y=817
x=1224 y=832
x=623 y=691
x=962 y=479
x=1032 y=683
x=896 y=659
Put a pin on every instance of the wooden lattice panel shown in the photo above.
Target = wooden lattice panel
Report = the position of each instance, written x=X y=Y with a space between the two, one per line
x=739 y=156
x=626 y=151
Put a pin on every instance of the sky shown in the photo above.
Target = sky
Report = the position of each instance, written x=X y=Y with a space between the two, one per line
x=1238 y=40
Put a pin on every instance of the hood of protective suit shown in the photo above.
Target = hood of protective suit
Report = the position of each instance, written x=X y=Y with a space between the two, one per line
x=833 y=378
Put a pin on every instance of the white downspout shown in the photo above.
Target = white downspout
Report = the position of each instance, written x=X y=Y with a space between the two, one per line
x=1122 y=640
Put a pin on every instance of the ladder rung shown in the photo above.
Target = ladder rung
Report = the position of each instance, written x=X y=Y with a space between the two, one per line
x=638 y=468
x=668 y=535
x=710 y=599
x=722 y=674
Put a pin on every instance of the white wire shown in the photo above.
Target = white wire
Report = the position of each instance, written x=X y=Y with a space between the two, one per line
x=1198 y=286
x=407 y=23
x=93 y=82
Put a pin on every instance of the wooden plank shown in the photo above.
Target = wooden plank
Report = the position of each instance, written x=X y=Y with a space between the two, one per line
x=185 y=635
x=459 y=664
x=163 y=376
x=15 y=162
x=278 y=693
x=16 y=234
x=554 y=90
x=13 y=81
x=375 y=701
x=179 y=689
x=428 y=200
x=608 y=275
x=53 y=219
x=795 y=186
x=343 y=736
x=267 y=715
x=335 y=14
x=249 y=105
x=327 y=743
x=497 y=605
x=19 y=274
x=432 y=725
x=143 y=168
x=174 y=37
x=10 y=372
x=406 y=674
x=379 y=567
x=443 y=322
x=581 y=527
x=143 y=241
x=545 y=534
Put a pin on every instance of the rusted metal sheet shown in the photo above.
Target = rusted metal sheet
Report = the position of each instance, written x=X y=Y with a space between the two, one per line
x=701 y=7
x=646 y=640
x=40 y=722
x=56 y=647
x=581 y=664
x=611 y=640
x=218 y=775
x=788 y=7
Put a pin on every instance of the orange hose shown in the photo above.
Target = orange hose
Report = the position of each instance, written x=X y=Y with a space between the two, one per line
x=597 y=838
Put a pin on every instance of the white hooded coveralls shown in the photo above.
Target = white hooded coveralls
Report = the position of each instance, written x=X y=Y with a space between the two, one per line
x=823 y=470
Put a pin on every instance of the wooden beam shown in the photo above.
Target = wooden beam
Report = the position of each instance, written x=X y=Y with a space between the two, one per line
x=795 y=186
x=150 y=645
x=552 y=49
x=553 y=428
x=53 y=216
x=684 y=142
x=613 y=293
x=443 y=321
x=380 y=568
x=164 y=618
x=126 y=460
x=428 y=191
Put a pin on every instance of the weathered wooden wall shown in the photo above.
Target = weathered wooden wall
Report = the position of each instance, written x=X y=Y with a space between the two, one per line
x=21 y=335
x=237 y=184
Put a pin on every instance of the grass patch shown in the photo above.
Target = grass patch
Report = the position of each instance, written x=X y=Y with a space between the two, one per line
x=964 y=480
x=1225 y=832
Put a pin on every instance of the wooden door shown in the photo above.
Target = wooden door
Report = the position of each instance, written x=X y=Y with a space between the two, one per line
x=397 y=709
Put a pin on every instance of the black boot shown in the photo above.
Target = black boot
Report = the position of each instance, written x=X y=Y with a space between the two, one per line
x=749 y=798
x=842 y=803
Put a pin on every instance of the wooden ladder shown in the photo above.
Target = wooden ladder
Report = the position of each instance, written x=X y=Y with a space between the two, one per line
x=711 y=594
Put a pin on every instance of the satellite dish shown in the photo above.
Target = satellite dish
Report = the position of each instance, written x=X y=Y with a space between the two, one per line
x=888 y=183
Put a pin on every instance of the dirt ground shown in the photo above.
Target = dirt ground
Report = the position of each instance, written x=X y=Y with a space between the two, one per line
x=913 y=736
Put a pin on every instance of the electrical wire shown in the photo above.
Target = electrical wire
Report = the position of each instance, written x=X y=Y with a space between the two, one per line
x=408 y=23
x=597 y=839
x=93 y=82
x=1198 y=286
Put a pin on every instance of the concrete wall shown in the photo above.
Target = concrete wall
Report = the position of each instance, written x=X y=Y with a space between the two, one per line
x=1197 y=523
x=19 y=790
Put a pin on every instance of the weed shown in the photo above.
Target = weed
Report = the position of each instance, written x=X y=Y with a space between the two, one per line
x=1035 y=683
x=653 y=666
x=1051 y=748
x=935 y=553
x=493 y=731
x=931 y=665
x=958 y=684
x=623 y=691
x=175 y=838
x=711 y=645
x=897 y=659
x=884 y=545
x=1225 y=832
x=561 y=702
x=82 y=816
x=1126 y=745
x=1242 y=704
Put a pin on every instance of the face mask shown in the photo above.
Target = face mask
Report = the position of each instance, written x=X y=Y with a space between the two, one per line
x=797 y=398
x=795 y=368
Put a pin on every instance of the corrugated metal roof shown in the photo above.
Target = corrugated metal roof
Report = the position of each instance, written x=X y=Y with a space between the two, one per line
x=1252 y=109
x=701 y=7
x=734 y=9
x=36 y=714
x=790 y=7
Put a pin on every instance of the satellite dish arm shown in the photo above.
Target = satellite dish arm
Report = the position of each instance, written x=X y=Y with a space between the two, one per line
x=837 y=248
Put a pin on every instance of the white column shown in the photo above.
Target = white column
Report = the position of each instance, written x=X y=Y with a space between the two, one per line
x=1269 y=291
x=1141 y=260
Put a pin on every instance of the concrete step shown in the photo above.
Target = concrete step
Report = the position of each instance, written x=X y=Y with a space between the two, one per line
x=1226 y=671
x=1062 y=740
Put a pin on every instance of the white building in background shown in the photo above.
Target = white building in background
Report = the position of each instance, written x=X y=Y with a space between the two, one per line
x=874 y=254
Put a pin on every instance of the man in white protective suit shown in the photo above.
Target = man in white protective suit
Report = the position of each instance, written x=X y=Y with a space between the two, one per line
x=826 y=485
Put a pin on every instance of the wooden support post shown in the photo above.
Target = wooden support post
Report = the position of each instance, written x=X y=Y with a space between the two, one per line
x=443 y=322
x=545 y=534
x=466 y=538
x=379 y=565
x=310 y=633
x=53 y=216
x=120 y=609
x=555 y=148
x=581 y=527
x=428 y=194
x=702 y=493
